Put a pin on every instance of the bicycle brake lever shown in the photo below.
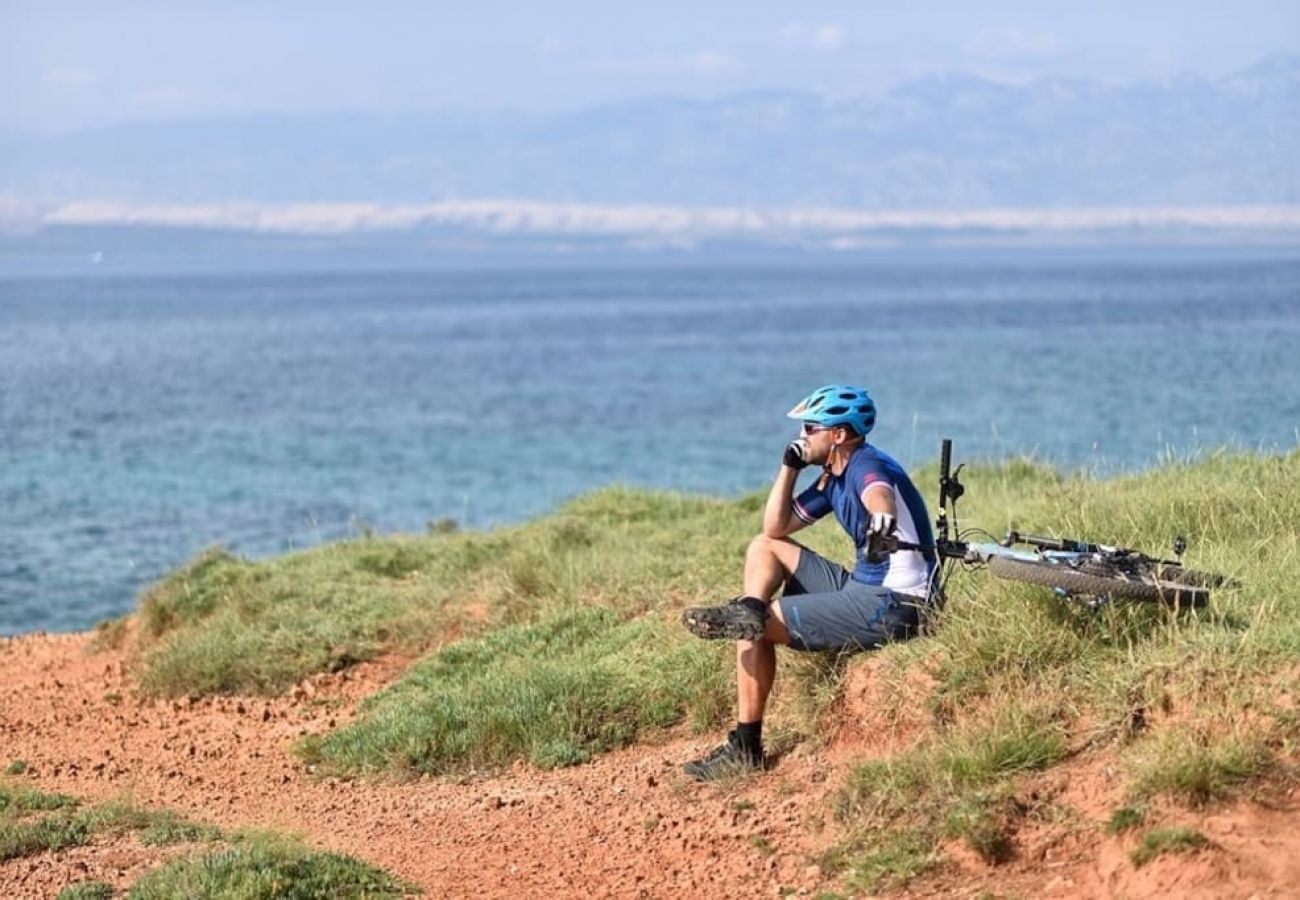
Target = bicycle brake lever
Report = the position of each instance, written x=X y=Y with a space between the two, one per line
x=879 y=546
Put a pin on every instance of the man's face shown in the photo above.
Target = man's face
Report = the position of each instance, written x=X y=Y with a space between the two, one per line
x=820 y=439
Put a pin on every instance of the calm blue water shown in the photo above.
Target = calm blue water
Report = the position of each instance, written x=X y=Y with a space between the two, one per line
x=143 y=418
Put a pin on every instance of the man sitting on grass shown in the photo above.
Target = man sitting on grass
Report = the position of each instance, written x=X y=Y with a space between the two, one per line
x=823 y=605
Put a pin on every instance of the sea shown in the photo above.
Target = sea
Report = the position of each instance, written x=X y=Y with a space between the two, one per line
x=147 y=415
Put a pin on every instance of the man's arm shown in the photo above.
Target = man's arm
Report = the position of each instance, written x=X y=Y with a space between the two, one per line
x=879 y=498
x=779 y=519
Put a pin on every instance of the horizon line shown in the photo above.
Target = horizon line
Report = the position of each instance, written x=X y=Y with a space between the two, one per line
x=520 y=217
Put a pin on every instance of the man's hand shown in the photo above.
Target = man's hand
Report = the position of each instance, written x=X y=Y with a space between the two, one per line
x=794 y=455
x=882 y=523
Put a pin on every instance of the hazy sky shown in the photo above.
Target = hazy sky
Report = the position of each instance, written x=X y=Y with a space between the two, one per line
x=71 y=64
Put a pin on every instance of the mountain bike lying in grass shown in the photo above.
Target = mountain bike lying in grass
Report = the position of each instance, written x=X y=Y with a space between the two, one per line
x=1092 y=573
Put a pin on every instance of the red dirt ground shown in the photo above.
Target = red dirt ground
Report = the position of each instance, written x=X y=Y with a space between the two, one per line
x=626 y=825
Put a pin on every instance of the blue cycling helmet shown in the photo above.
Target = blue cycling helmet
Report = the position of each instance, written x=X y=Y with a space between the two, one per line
x=838 y=404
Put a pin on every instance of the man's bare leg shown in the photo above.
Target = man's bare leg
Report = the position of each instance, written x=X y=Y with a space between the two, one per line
x=768 y=563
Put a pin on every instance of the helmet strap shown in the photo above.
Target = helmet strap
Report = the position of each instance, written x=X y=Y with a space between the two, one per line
x=845 y=450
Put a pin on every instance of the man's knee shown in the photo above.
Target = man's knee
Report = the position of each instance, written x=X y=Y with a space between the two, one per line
x=783 y=550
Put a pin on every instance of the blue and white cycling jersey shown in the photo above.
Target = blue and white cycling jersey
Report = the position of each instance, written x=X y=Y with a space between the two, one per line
x=906 y=571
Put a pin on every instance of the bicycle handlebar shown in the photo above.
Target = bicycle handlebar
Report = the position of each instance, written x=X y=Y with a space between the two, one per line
x=879 y=546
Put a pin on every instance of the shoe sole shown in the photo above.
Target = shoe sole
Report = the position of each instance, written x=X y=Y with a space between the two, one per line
x=701 y=623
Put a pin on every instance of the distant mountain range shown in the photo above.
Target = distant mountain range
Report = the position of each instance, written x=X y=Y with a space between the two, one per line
x=944 y=142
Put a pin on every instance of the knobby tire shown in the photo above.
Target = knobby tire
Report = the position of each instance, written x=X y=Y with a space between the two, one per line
x=1174 y=586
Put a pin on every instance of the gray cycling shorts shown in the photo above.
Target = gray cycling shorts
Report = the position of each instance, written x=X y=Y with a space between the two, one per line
x=825 y=609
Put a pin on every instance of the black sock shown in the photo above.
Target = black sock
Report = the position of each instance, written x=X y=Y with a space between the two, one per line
x=750 y=736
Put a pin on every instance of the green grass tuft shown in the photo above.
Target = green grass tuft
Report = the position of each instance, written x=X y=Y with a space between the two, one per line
x=110 y=634
x=959 y=785
x=1126 y=818
x=985 y=821
x=257 y=865
x=86 y=890
x=17 y=767
x=553 y=693
x=168 y=828
x=951 y=766
x=1198 y=767
x=18 y=800
x=193 y=591
x=1174 y=839
x=892 y=860
x=70 y=824
x=268 y=870
x=53 y=832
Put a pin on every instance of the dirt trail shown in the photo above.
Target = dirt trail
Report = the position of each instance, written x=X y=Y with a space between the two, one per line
x=625 y=825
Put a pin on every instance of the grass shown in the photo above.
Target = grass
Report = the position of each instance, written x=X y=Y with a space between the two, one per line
x=243 y=864
x=224 y=625
x=613 y=568
x=1173 y=839
x=24 y=832
x=544 y=640
x=890 y=860
x=1194 y=704
x=48 y=833
x=268 y=869
x=86 y=890
x=1126 y=818
x=553 y=693
x=955 y=786
x=15 y=801
x=66 y=822
x=1197 y=765
x=960 y=761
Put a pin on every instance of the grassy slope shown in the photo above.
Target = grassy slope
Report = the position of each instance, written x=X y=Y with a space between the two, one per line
x=567 y=627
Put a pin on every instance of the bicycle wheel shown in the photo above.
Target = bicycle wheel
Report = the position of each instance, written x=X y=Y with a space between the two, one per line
x=1101 y=579
x=1192 y=578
